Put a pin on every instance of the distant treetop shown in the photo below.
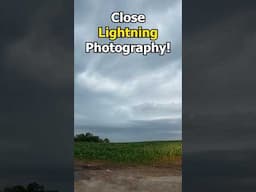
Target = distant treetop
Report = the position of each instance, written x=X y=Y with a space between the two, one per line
x=89 y=137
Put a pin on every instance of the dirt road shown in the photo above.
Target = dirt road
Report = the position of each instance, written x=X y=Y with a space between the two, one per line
x=99 y=178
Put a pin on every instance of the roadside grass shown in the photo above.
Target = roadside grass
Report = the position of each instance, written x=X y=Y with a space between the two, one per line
x=137 y=153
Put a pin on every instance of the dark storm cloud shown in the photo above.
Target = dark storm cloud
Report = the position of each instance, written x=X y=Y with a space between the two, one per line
x=221 y=84
x=41 y=44
x=36 y=93
x=111 y=89
x=218 y=96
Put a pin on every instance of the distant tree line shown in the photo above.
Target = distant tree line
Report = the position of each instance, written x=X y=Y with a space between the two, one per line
x=89 y=137
x=32 y=187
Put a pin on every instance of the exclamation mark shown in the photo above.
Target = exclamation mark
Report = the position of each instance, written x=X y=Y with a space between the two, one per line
x=168 y=47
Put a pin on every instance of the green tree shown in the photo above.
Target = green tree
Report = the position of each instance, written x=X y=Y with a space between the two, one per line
x=89 y=137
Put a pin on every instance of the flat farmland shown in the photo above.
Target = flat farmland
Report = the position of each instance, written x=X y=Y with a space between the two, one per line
x=136 y=153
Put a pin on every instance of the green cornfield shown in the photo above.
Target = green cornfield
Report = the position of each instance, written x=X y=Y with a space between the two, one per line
x=129 y=153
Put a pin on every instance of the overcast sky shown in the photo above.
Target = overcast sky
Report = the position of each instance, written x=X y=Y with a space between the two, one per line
x=128 y=98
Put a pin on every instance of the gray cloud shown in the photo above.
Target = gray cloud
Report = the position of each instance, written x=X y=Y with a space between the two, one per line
x=161 y=129
x=113 y=90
